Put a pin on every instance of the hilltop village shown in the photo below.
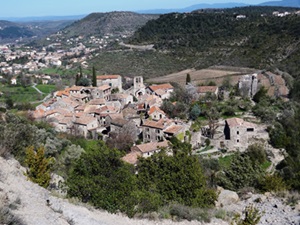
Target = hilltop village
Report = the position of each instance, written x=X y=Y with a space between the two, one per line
x=134 y=115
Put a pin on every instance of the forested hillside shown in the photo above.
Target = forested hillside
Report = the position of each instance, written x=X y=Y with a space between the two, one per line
x=100 y=24
x=212 y=37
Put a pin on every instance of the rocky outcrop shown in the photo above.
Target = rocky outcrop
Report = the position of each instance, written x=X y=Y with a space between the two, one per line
x=227 y=197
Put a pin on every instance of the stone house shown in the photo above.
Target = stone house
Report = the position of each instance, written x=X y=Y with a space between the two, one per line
x=161 y=90
x=237 y=133
x=155 y=113
x=114 y=81
x=163 y=129
x=103 y=91
x=153 y=131
x=13 y=81
x=124 y=99
x=85 y=126
x=203 y=90
x=144 y=150
x=148 y=149
x=248 y=85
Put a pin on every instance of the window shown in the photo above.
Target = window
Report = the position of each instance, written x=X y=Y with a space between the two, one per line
x=237 y=132
x=237 y=140
x=250 y=129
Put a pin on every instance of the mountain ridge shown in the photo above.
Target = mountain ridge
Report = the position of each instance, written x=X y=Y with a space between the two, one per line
x=283 y=3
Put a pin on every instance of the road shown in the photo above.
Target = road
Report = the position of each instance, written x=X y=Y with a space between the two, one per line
x=42 y=93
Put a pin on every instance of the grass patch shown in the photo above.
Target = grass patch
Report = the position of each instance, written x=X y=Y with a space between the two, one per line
x=21 y=94
x=46 y=88
x=225 y=161
x=266 y=165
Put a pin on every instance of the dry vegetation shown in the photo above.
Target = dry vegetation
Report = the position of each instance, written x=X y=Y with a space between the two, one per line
x=215 y=74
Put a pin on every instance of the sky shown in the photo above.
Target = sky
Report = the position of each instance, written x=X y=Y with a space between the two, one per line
x=33 y=8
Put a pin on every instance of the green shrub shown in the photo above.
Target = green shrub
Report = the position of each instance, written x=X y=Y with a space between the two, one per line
x=180 y=212
x=242 y=172
x=39 y=167
x=251 y=216
x=273 y=183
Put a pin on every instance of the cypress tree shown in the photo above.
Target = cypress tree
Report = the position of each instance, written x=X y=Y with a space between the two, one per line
x=188 y=78
x=94 y=81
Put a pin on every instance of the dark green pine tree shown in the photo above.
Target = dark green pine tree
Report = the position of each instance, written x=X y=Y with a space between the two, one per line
x=94 y=81
x=77 y=79
x=80 y=72
x=188 y=78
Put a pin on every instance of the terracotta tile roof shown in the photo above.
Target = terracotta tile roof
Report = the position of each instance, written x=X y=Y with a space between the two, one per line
x=284 y=91
x=80 y=108
x=85 y=120
x=141 y=106
x=97 y=101
x=59 y=111
x=206 y=89
x=161 y=86
x=65 y=92
x=149 y=147
x=79 y=96
x=79 y=114
x=70 y=102
x=38 y=114
x=234 y=122
x=104 y=87
x=49 y=102
x=155 y=109
x=160 y=92
x=161 y=124
x=65 y=120
x=91 y=109
x=119 y=96
x=76 y=88
x=132 y=157
x=279 y=80
x=174 y=129
x=116 y=116
x=119 y=122
x=108 y=109
x=104 y=77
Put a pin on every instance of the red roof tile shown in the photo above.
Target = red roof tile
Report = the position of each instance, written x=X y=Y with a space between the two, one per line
x=206 y=89
x=161 y=86
x=104 y=77
x=149 y=147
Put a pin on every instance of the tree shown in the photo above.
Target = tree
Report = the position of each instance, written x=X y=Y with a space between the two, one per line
x=103 y=179
x=242 y=172
x=123 y=138
x=262 y=93
x=9 y=103
x=257 y=153
x=213 y=115
x=83 y=82
x=252 y=216
x=39 y=167
x=195 y=112
x=80 y=72
x=94 y=81
x=77 y=79
x=171 y=177
x=188 y=79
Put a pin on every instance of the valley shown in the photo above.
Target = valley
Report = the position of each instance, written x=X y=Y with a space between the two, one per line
x=188 y=118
